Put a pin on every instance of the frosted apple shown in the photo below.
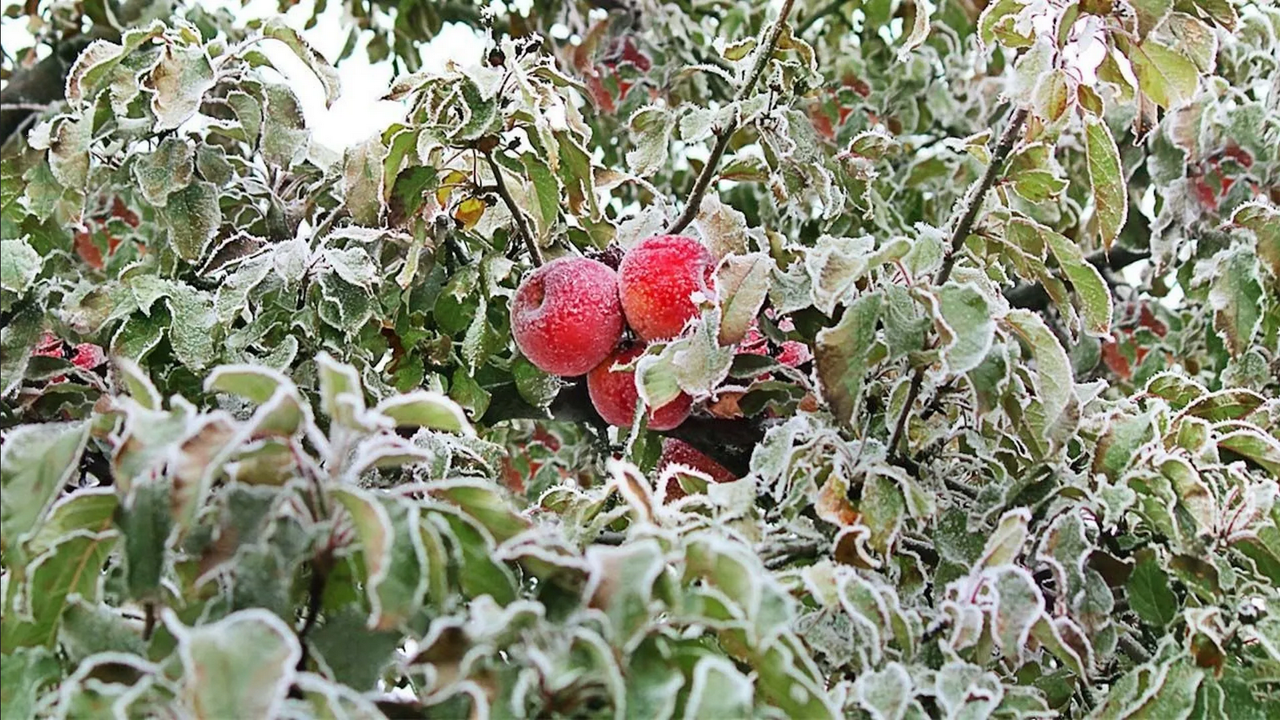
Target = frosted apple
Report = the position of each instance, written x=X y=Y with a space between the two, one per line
x=566 y=316
x=679 y=452
x=657 y=280
x=614 y=395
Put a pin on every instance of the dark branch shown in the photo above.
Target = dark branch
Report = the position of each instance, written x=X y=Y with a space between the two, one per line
x=728 y=442
x=522 y=224
x=724 y=134
x=973 y=204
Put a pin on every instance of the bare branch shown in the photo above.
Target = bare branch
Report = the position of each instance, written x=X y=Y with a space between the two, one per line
x=522 y=224
x=724 y=134
x=973 y=204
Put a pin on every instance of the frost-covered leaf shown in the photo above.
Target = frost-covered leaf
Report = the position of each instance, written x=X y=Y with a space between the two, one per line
x=19 y=265
x=841 y=354
x=1054 y=381
x=193 y=216
x=38 y=462
x=965 y=322
x=651 y=128
x=180 y=80
x=276 y=28
x=742 y=284
x=1164 y=74
x=240 y=666
x=422 y=408
x=1149 y=593
x=165 y=170
x=1110 y=192
x=1236 y=297
x=362 y=180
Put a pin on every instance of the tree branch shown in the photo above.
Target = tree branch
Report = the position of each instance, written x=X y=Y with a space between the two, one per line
x=728 y=442
x=724 y=134
x=973 y=204
x=522 y=225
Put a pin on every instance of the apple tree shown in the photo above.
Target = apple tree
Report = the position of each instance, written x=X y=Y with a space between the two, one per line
x=804 y=358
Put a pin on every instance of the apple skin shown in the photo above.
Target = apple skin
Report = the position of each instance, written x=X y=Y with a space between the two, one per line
x=566 y=316
x=656 y=280
x=679 y=452
x=615 y=397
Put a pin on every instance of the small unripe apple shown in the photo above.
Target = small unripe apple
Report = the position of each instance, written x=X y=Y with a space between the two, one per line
x=657 y=279
x=679 y=452
x=614 y=395
x=566 y=317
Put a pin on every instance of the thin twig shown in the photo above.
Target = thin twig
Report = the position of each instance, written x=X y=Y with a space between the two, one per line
x=724 y=134
x=973 y=204
x=24 y=106
x=522 y=225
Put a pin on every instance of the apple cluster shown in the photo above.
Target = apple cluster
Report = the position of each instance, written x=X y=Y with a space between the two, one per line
x=568 y=318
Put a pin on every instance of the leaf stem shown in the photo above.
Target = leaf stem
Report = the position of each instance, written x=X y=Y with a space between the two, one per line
x=522 y=225
x=972 y=205
x=724 y=134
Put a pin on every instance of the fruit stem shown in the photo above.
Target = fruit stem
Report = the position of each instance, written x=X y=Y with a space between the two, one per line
x=723 y=135
x=972 y=204
x=522 y=224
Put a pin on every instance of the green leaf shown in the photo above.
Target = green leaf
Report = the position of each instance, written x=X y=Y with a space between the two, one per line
x=841 y=355
x=73 y=566
x=422 y=408
x=718 y=690
x=355 y=655
x=545 y=207
x=146 y=521
x=1164 y=75
x=535 y=387
x=276 y=28
x=251 y=382
x=91 y=629
x=1236 y=297
x=1264 y=221
x=36 y=462
x=192 y=333
x=621 y=583
x=1054 y=382
x=394 y=556
x=193 y=217
x=1254 y=445
x=284 y=127
x=651 y=129
x=1150 y=13
x=1094 y=295
x=965 y=323
x=742 y=284
x=919 y=30
x=486 y=503
x=239 y=667
x=180 y=80
x=362 y=181
x=1119 y=445
x=341 y=394
x=1149 y=593
x=23 y=675
x=1110 y=191
x=165 y=170
x=20 y=265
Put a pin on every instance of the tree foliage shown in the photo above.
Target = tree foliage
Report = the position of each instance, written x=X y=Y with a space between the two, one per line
x=270 y=450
